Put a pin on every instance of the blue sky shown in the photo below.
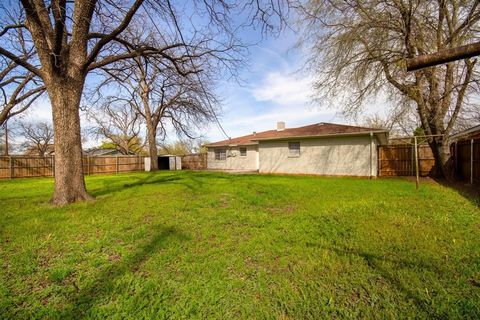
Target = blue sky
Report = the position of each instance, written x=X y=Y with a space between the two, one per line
x=273 y=88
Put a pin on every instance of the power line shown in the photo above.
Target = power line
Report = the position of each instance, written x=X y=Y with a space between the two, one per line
x=219 y=125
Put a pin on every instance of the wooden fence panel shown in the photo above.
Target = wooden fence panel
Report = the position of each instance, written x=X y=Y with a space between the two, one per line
x=464 y=162
x=31 y=166
x=196 y=161
x=399 y=160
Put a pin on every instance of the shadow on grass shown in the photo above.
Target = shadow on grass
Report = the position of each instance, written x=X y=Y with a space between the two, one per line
x=187 y=180
x=388 y=274
x=101 y=288
x=466 y=190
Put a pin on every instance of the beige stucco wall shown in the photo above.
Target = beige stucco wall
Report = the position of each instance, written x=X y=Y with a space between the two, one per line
x=234 y=161
x=344 y=156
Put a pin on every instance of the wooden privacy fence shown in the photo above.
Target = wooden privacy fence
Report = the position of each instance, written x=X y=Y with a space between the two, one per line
x=399 y=160
x=196 y=161
x=466 y=160
x=33 y=166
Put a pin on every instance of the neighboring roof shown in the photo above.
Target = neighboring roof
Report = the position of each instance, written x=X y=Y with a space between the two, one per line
x=101 y=152
x=470 y=133
x=32 y=150
x=313 y=130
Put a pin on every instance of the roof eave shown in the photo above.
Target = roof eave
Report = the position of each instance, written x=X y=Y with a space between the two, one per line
x=324 y=135
x=465 y=133
x=231 y=144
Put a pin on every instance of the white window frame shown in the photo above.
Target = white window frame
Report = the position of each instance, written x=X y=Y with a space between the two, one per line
x=219 y=152
x=240 y=151
x=294 y=152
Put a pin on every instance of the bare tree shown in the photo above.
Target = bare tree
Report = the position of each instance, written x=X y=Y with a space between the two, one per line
x=73 y=38
x=120 y=125
x=37 y=136
x=400 y=121
x=359 y=50
x=19 y=87
x=164 y=98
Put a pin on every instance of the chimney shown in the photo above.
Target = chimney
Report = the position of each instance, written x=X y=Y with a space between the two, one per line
x=280 y=126
x=254 y=133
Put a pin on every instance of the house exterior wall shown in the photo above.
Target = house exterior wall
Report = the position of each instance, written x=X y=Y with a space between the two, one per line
x=343 y=156
x=234 y=160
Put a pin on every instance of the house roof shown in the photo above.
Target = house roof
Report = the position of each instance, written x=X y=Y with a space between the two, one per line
x=101 y=152
x=314 y=130
x=470 y=133
x=32 y=150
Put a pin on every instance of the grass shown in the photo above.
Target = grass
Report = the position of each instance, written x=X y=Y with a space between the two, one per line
x=210 y=245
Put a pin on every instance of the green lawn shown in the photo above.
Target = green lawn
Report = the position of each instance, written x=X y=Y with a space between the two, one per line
x=211 y=245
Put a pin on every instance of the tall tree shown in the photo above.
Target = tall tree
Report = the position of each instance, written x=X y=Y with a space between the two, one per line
x=73 y=38
x=119 y=124
x=164 y=98
x=359 y=50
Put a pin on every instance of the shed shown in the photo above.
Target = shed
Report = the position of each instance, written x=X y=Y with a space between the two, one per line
x=165 y=162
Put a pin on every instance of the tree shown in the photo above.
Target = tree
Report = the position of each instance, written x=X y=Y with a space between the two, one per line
x=19 y=87
x=359 y=50
x=183 y=147
x=120 y=125
x=72 y=38
x=399 y=122
x=19 y=91
x=37 y=136
x=162 y=97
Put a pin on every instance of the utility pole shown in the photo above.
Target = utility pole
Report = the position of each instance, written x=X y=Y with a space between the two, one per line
x=6 y=137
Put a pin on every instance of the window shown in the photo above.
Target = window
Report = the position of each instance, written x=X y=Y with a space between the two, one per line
x=294 y=149
x=220 y=154
x=243 y=151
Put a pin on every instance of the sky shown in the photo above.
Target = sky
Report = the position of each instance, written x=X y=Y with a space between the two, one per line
x=273 y=88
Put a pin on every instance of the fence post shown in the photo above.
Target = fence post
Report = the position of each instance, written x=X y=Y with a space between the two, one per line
x=10 y=164
x=116 y=164
x=471 y=161
x=416 y=162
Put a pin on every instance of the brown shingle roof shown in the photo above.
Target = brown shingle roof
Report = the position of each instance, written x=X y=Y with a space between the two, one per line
x=317 y=129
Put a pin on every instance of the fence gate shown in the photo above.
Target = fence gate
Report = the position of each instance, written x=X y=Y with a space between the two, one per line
x=399 y=160
x=466 y=155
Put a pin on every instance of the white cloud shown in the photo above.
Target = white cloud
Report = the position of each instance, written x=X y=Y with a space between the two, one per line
x=284 y=89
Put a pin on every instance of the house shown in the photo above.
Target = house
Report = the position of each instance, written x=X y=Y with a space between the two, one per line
x=465 y=151
x=468 y=134
x=35 y=151
x=321 y=148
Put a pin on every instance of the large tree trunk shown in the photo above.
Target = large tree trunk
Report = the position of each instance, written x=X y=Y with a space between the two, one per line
x=152 y=146
x=441 y=152
x=65 y=95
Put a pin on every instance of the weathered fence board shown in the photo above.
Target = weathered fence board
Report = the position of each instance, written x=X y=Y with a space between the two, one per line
x=31 y=166
x=399 y=160
x=197 y=161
